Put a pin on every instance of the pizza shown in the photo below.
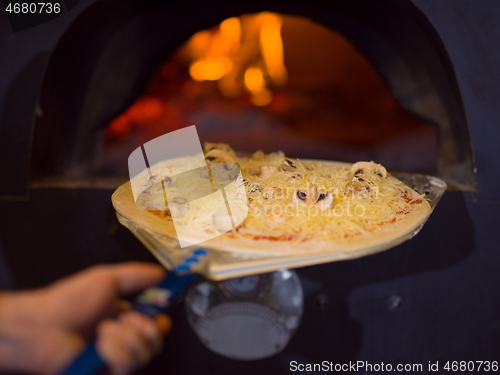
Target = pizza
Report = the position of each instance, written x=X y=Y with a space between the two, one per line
x=291 y=206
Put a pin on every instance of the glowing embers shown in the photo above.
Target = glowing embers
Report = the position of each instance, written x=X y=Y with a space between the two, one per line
x=243 y=54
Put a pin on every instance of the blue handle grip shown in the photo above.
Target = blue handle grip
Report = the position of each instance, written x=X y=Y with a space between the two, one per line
x=152 y=302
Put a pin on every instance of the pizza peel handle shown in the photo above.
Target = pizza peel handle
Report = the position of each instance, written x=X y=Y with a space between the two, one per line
x=151 y=302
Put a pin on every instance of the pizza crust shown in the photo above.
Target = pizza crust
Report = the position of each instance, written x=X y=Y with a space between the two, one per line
x=397 y=232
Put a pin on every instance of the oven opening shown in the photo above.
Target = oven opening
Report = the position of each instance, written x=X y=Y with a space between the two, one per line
x=335 y=83
x=274 y=82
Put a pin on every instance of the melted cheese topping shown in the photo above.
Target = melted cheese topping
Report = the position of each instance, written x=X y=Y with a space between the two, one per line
x=351 y=214
x=273 y=214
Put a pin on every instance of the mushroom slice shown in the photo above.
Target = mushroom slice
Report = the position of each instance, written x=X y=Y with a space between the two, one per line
x=180 y=200
x=312 y=166
x=314 y=198
x=158 y=175
x=268 y=171
x=361 y=167
x=289 y=165
x=312 y=195
x=219 y=156
x=209 y=146
x=222 y=165
x=252 y=171
x=363 y=188
x=325 y=201
x=271 y=192
x=299 y=197
x=222 y=222
x=259 y=155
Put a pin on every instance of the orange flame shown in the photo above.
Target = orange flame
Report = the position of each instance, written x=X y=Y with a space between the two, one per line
x=244 y=53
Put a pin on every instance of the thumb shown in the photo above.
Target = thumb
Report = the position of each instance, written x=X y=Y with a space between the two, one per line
x=79 y=301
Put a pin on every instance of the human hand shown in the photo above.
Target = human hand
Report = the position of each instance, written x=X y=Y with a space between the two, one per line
x=42 y=330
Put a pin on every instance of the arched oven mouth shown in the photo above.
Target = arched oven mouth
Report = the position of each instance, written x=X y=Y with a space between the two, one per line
x=103 y=68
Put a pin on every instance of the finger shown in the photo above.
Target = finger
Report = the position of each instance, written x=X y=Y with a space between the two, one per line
x=146 y=327
x=136 y=342
x=98 y=286
x=121 y=347
x=111 y=349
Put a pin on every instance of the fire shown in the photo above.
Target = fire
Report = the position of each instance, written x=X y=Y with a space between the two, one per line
x=209 y=70
x=272 y=48
x=243 y=53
